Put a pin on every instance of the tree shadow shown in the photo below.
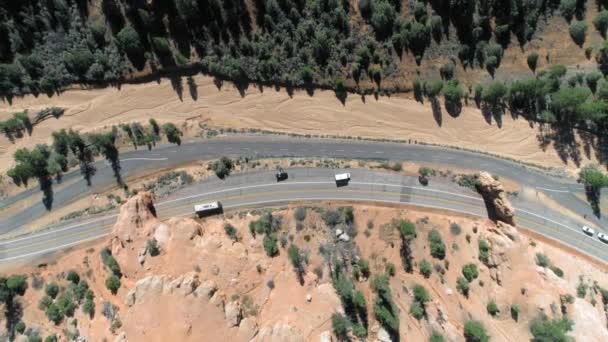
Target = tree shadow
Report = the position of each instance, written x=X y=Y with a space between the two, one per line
x=564 y=142
x=454 y=108
x=436 y=108
x=192 y=88
x=593 y=195
x=177 y=85
x=46 y=186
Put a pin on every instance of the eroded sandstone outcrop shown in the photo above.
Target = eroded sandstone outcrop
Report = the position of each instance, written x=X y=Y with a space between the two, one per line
x=494 y=195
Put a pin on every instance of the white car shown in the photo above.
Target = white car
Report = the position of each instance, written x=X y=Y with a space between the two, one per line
x=602 y=237
x=588 y=231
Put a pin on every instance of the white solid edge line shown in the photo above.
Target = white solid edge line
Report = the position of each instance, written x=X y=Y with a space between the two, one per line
x=152 y=159
x=56 y=248
x=56 y=230
x=552 y=190
x=313 y=199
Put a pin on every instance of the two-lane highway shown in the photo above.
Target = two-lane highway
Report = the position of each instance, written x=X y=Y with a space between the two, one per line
x=311 y=185
x=141 y=162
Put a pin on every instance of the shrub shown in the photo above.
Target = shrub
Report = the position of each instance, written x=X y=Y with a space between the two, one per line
x=17 y=283
x=417 y=311
x=89 y=308
x=297 y=261
x=222 y=167
x=469 y=271
x=542 y=260
x=437 y=245
x=390 y=269
x=113 y=283
x=364 y=268
x=359 y=330
x=455 y=228
x=578 y=31
x=52 y=289
x=492 y=308
x=558 y=271
x=581 y=290
x=54 y=314
x=173 y=133
x=543 y=329
x=474 y=331
x=152 y=247
x=425 y=268
x=462 y=285
x=339 y=324
x=601 y=22
x=20 y=327
x=484 y=251
x=230 y=231
x=45 y=302
x=270 y=245
x=436 y=337
x=66 y=304
x=420 y=294
x=515 y=312
x=300 y=214
x=433 y=88
x=425 y=171
x=51 y=338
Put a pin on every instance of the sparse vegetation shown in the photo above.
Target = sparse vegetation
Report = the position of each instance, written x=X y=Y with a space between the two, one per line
x=492 y=308
x=474 y=331
x=436 y=244
x=545 y=329
x=425 y=268
x=222 y=167
x=469 y=271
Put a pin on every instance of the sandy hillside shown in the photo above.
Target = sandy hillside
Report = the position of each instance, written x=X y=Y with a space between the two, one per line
x=269 y=109
x=204 y=284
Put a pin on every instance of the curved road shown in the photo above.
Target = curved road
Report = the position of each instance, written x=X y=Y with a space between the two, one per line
x=313 y=185
x=141 y=162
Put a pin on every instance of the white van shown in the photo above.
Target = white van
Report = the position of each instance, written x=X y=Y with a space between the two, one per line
x=342 y=178
x=208 y=208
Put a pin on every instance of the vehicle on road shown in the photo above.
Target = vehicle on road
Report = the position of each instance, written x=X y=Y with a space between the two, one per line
x=206 y=209
x=589 y=231
x=281 y=175
x=602 y=237
x=342 y=178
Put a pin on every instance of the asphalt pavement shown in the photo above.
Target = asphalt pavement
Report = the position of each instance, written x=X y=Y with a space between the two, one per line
x=138 y=163
x=312 y=186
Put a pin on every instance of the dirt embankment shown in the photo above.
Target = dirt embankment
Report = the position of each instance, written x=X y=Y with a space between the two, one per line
x=210 y=285
x=275 y=110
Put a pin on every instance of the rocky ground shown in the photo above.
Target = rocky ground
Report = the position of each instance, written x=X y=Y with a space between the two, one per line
x=197 y=279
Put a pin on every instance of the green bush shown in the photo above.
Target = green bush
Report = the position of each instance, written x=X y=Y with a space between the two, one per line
x=462 y=285
x=173 y=133
x=230 y=231
x=515 y=312
x=113 y=283
x=425 y=268
x=390 y=269
x=492 y=308
x=73 y=277
x=417 y=311
x=339 y=324
x=364 y=268
x=222 y=167
x=45 y=302
x=270 y=245
x=52 y=289
x=578 y=31
x=54 y=314
x=436 y=337
x=420 y=294
x=558 y=271
x=542 y=260
x=484 y=251
x=437 y=245
x=474 y=331
x=469 y=271
x=544 y=329
x=65 y=302
x=601 y=22
x=20 y=327
x=17 y=283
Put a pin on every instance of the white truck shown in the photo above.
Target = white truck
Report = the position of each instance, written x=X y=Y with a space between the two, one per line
x=342 y=178
x=208 y=208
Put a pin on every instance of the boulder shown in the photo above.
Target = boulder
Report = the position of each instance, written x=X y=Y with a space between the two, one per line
x=122 y=337
x=495 y=196
x=147 y=287
x=280 y=332
x=233 y=313
x=383 y=336
x=183 y=285
x=206 y=289
x=325 y=336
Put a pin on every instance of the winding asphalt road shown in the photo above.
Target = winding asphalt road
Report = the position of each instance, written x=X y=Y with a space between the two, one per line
x=315 y=185
x=311 y=186
x=141 y=162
